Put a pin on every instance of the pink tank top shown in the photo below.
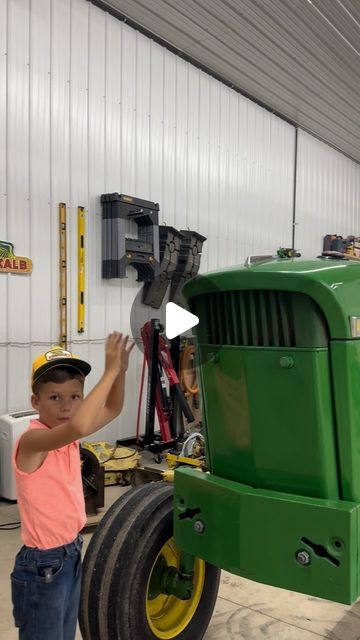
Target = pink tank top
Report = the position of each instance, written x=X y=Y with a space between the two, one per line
x=51 y=499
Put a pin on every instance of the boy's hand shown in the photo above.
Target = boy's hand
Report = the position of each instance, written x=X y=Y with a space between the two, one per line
x=125 y=350
x=117 y=352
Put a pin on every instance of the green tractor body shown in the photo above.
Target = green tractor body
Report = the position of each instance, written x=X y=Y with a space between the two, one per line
x=279 y=357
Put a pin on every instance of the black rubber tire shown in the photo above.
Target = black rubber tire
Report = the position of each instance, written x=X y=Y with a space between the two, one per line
x=118 y=563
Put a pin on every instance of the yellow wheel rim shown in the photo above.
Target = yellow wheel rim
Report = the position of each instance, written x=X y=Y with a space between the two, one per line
x=168 y=616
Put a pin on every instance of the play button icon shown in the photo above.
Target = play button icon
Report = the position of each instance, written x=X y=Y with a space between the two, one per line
x=178 y=320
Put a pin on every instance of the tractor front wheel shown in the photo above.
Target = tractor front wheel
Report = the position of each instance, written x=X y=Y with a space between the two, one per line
x=123 y=569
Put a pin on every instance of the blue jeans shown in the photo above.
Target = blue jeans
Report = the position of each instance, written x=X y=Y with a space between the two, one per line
x=45 y=589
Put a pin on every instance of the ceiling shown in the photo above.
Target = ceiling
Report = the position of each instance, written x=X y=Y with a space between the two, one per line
x=299 y=58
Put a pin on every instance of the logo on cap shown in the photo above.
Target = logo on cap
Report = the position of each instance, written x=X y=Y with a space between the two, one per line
x=57 y=353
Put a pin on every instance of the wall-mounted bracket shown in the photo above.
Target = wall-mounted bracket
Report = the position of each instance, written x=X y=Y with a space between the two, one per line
x=118 y=251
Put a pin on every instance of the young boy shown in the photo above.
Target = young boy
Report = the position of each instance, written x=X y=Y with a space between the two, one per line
x=47 y=574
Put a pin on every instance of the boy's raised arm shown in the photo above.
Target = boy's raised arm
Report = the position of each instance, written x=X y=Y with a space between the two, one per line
x=93 y=413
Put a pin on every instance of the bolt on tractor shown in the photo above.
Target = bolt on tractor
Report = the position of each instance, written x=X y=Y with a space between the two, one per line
x=278 y=502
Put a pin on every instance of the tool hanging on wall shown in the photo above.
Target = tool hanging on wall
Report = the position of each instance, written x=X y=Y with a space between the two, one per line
x=180 y=255
x=188 y=263
x=155 y=290
x=118 y=251
x=63 y=275
x=81 y=269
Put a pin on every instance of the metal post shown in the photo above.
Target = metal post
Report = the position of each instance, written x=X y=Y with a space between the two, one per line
x=294 y=223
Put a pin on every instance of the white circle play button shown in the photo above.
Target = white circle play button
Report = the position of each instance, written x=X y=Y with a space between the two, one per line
x=178 y=320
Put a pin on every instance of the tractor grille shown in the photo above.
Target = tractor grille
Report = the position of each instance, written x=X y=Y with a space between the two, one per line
x=260 y=318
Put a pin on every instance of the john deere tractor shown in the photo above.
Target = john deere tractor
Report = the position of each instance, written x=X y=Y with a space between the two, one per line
x=278 y=502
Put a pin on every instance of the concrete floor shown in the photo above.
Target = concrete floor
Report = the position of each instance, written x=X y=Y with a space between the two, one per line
x=245 y=610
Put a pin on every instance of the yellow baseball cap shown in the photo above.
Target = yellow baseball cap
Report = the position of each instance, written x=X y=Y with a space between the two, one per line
x=57 y=357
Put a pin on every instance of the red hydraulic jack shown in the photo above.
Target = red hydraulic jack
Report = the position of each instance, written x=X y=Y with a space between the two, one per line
x=160 y=367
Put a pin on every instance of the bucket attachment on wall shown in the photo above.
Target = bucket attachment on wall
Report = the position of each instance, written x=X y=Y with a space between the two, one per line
x=188 y=263
x=118 y=251
x=170 y=241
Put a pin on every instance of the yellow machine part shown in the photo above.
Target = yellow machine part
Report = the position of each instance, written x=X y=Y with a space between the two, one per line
x=173 y=460
x=101 y=449
x=122 y=459
x=118 y=462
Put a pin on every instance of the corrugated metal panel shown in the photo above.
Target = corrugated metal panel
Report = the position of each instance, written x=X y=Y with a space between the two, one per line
x=93 y=107
x=38 y=166
x=112 y=165
x=18 y=195
x=300 y=58
x=3 y=195
x=245 y=176
x=60 y=167
x=328 y=195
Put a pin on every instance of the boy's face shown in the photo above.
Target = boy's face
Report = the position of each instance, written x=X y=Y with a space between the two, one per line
x=57 y=402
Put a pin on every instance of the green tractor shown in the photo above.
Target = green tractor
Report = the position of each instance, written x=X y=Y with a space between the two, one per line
x=278 y=502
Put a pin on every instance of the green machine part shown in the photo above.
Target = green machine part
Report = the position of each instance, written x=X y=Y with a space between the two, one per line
x=278 y=347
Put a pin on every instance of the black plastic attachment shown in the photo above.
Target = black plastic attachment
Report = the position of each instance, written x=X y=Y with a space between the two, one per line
x=170 y=241
x=118 y=251
x=188 y=263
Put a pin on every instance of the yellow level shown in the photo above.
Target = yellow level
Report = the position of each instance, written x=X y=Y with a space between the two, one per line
x=81 y=269
x=63 y=274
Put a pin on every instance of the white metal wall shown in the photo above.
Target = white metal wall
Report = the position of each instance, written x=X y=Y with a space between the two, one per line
x=327 y=195
x=89 y=106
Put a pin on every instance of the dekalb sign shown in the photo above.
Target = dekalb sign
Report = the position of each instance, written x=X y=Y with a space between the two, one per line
x=10 y=263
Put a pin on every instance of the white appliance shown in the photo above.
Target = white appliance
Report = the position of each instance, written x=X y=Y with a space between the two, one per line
x=12 y=425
